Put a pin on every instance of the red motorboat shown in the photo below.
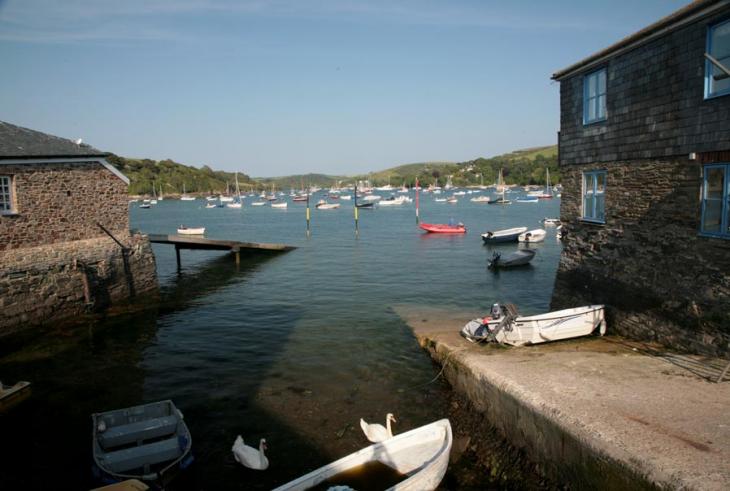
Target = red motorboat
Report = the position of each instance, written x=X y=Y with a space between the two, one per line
x=443 y=228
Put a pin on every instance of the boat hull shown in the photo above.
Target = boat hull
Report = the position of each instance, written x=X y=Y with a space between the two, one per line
x=150 y=442
x=442 y=228
x=508 y=235
x=191 y=231
x=536 y=329
x=532 y=236
x=13 y=395
x=422 y=453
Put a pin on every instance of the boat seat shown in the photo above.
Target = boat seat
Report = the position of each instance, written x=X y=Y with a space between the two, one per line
x=135 y=457
x=141 y=430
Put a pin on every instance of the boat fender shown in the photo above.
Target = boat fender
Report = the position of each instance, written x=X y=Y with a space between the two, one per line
x=486 y=320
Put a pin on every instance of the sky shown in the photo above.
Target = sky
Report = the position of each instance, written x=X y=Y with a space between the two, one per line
x=280 y=87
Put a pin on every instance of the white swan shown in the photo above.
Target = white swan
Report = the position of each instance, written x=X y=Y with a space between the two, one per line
x=249 y=456
x=376 y=432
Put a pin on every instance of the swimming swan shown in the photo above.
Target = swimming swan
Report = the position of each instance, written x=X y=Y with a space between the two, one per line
x=249 y=456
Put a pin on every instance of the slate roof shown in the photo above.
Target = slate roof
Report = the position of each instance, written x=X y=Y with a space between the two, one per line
x=22 y=143
x=664 y=24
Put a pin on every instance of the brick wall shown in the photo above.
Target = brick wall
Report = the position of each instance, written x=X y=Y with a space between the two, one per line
x=661 y=281
x=59 y=202
x=655 y=104
x=48 y=283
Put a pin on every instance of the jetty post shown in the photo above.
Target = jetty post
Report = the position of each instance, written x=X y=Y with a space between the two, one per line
x=357 y=228
x=308 y=231
x=418 y=220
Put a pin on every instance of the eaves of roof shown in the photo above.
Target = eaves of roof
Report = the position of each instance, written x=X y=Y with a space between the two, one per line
x=687 y=14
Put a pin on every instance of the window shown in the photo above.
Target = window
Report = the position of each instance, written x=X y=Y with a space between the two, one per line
x=6 y=196
x=717 y=82
x=594 y=196
x=715 y=197
x=594 y=97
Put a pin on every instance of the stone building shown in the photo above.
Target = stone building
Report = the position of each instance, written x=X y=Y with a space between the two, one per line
x=56 y=259
x=644 y=150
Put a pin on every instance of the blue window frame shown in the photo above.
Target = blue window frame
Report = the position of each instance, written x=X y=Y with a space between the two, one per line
x=594 y=97
x=717 y=82
x=594 y=196
x=716 y=201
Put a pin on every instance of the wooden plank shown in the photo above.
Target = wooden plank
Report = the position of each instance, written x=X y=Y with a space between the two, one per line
x=181 y=242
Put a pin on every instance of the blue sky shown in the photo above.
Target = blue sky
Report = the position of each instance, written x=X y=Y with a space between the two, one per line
x=277 y=87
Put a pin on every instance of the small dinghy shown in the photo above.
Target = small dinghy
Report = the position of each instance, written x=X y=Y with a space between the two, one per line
x=517 y=258
x=536 y=235
x=183 y=230
x=443 y=228
x=505 y=325
x=551 y=221
x=149 y=442
x=323 y=205
x=10 y=395
x=506 y=235
x=418 y=458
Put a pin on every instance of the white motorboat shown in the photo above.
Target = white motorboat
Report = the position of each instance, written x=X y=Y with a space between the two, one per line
x=323 y=205
x=283 y=204
x=371 y=197
x=235 y=204
x=418 y=458
x=392 y=201
x=183 y=230
x=480 y=199
x=536 y=235
x=551 y=221
x=506 y=235
x=505 y=325
x=258 y=203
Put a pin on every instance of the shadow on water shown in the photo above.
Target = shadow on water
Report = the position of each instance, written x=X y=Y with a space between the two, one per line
x=121 y=361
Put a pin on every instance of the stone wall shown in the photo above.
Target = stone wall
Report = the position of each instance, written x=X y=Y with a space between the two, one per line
x=59 y=202
x=655 y=104
x=48 y=283
x=660 y=280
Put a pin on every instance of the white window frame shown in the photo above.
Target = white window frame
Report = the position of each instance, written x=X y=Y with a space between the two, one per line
x=7 y=201
x=590 y=182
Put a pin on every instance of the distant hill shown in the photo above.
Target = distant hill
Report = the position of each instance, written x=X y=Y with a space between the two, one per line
x=302 y=180
x=172 y=177
x=525 y=166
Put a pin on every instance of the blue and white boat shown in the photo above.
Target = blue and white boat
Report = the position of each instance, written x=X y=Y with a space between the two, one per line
x=150 y=442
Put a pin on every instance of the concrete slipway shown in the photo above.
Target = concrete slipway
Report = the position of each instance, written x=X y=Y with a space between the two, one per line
x=593 y=412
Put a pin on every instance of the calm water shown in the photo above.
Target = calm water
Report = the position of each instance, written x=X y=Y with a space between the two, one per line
x=294 y=348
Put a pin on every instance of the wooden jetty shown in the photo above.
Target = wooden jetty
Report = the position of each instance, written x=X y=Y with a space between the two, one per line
x=233 y=246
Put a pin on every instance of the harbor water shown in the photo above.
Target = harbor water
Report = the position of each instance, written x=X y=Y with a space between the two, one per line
x=294 y=348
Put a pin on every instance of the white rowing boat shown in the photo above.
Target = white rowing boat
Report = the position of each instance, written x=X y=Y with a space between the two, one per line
x=506 y=326
x=183 y=230
x=536 y=235
x=422 y=455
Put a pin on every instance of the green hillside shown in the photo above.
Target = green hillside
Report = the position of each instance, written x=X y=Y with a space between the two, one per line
x=526 y=166
x=172 y=177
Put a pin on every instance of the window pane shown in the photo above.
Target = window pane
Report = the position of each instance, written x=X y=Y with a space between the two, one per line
x=591 y=109
x=600 y=201
x=720 y=40
x=602 y=82
x=588 y=206
x=713 y=215
x=4 y=193
x=591 y=81
x=715 y=182
x=600 y=182
x=601 y=110
x=720 y=50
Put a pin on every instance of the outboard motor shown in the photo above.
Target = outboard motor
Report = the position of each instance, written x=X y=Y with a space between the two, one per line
x=496 y=311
